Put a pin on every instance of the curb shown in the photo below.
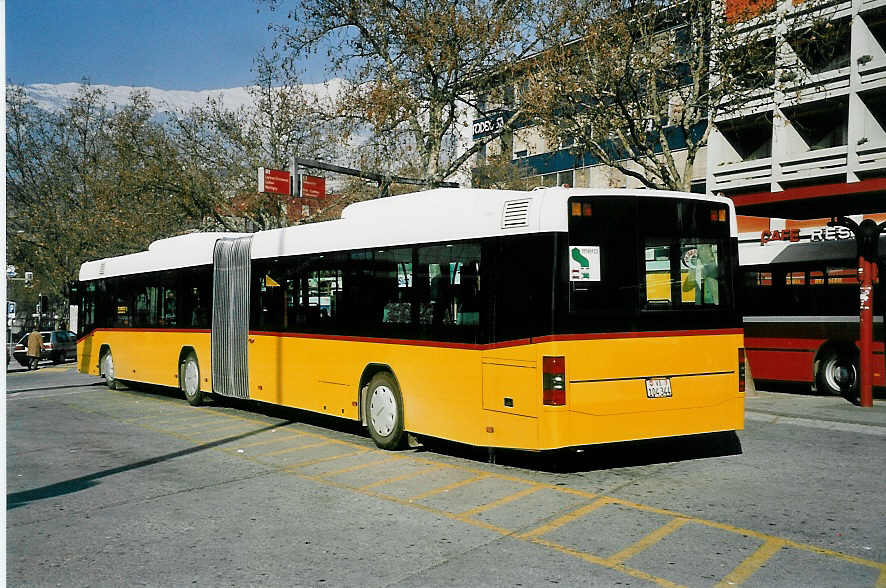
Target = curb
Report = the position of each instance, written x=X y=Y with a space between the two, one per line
x=777 y=419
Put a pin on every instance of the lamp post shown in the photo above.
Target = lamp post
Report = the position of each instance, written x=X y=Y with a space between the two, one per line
x=867 y=240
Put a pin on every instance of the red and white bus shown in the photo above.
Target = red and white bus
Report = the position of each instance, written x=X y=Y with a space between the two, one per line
x=800 y=306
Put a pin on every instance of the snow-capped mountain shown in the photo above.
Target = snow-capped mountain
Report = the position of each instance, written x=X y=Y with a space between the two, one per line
x=54 y=96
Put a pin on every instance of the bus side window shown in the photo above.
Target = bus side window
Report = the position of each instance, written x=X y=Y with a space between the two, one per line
x=393 y=277
x=450 y=294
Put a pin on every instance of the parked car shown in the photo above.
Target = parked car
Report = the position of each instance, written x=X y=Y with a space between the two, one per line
x=57 y=346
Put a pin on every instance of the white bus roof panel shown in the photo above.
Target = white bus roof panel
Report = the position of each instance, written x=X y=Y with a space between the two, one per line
x=445 y=214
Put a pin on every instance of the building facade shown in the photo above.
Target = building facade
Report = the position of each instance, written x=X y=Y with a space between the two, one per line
x=811 y=146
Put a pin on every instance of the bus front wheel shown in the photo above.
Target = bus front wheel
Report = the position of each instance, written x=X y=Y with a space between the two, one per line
x=384 y=411
x=107 y=365
x=189 y=380
x=837 y=374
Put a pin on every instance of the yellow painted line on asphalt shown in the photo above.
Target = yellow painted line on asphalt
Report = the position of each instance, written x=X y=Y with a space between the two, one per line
x=752 y=533
x=357 y=467
x=533 y=535
x=176 y=420
x=200 y=430
x=567 y=518
x=745 y=569
x=309 y=462
x=448 y=487
x=287 y=437
x=647 y=541
x=293 y=449
x=501 y=501
x=603 y=562
x=399 y=478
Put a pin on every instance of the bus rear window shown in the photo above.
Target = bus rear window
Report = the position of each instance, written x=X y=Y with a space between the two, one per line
x=629 y=254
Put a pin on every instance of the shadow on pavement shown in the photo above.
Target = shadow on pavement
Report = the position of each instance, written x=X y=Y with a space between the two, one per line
x=573 y=460
x=41 y=388
x=603 y=456
x=17 y=499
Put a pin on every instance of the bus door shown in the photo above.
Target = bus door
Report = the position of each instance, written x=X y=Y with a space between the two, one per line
x=230 y=316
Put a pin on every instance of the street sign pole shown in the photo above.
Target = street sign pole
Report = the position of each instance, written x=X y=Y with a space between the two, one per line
x=296 y=177
x=867 y=239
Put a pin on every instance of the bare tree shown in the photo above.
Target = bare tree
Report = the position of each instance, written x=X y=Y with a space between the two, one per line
x=87 y=182
x=224 y=148
x=414 y=70
x=639 y=85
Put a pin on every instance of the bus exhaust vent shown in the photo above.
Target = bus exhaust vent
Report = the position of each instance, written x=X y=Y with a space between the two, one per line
x=516 y=214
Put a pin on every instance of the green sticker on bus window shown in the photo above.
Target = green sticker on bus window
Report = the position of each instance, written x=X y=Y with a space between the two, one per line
x=584 y=263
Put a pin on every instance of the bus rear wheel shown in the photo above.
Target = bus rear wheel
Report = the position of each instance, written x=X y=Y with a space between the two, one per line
x=189 y=380
x=384 y=411
x=837 y=374
x=107 y=370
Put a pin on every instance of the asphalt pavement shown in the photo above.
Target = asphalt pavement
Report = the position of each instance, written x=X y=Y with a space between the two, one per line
x=136 y=487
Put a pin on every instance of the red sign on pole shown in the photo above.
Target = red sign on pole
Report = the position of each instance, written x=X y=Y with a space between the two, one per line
x=313 y=187
x=274 y=181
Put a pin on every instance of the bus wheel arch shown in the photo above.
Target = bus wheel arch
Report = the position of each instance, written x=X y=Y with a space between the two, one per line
x=189 y=376
x=835 y=369
x=381 y=406
x=106 y=366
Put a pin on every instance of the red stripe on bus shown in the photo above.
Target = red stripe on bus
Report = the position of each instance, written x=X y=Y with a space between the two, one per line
x=512 y=343
x=637 y=335
x=451 y=344
x=352 y=338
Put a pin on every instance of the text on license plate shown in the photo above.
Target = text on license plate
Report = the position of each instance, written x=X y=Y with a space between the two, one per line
x=658 y=388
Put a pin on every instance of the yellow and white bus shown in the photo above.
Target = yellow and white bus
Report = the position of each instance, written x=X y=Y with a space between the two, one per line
x=533 y=320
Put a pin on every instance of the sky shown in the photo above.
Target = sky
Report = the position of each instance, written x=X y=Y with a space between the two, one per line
x=166 y=44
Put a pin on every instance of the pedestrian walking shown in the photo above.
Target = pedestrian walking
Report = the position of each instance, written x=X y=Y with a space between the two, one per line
x=35 y=347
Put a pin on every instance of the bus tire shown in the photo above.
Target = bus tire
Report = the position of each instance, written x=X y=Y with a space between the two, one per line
x=384 y=411
x=837 y=374
x=107 y=370
x=189 y=379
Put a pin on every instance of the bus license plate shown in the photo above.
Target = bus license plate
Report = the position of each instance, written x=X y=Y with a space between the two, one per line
x=658 y=388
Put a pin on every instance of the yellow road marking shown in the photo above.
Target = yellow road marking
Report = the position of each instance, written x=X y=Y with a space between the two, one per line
x=501 y=501
x=218 y=427
x=648 y=541
x=448 y=487
x=286 y=437
x=745 y=569
x=359 y=466
x=603 y=562
x=174 y=421
x=398 y=478
x=302 y=464
x=294 y=449
x=567 y=518
x=752 y=533
x=532 y=535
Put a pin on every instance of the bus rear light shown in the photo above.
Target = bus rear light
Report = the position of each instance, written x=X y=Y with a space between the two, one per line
x=554 y=380
x=741 y=370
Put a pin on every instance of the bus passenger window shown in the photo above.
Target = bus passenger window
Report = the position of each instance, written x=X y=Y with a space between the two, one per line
x=658 y=274
x=700 y=273
x=167 y=315
x=393 y=284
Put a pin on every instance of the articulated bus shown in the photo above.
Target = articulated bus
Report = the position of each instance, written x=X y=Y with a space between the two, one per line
x=530 y=320
x=800 y=301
